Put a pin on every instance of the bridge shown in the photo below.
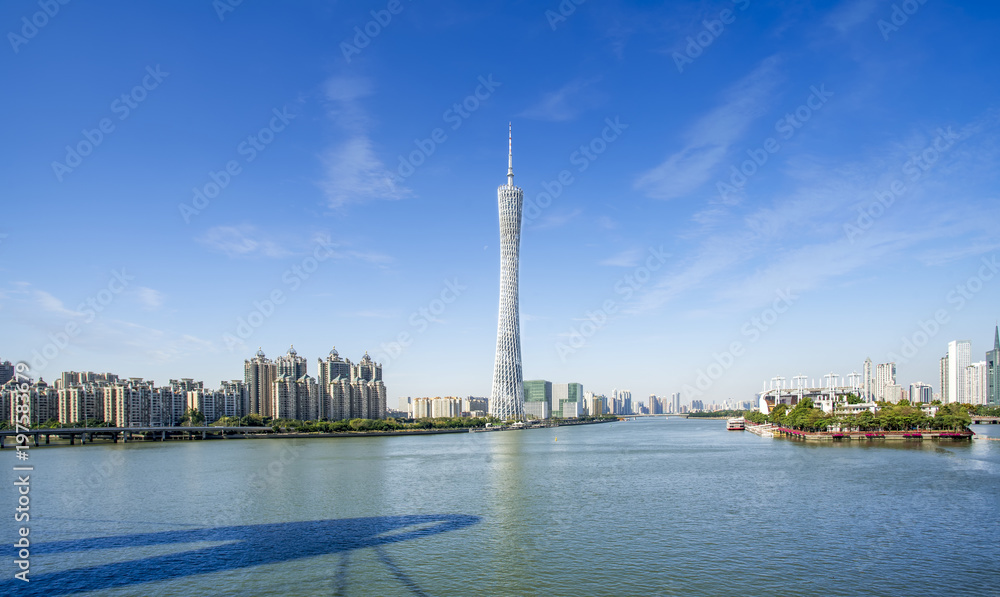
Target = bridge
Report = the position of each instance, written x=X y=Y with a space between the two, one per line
x=978 y=420
x=127 y=434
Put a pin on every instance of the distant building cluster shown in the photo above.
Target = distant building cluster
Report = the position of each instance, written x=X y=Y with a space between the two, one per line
x=279 y=389
x=658 y=405
x=283 y=389
x=449 y=406
x=960 y=381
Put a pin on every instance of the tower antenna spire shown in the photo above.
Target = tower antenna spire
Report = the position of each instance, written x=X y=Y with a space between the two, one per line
x=510 y=156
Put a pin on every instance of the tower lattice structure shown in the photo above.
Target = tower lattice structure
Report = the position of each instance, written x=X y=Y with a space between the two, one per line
x=507 y=396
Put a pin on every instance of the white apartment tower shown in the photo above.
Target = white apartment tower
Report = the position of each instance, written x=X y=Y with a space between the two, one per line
x=959 y=359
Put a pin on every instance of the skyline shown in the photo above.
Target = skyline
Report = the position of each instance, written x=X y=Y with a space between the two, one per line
x=286 y=182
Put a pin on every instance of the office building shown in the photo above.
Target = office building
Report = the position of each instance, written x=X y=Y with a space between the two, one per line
x=993 y=371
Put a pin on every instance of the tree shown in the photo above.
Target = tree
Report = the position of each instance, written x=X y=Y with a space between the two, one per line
x=778 y=414
x=252 y=420
x=952 y=416
x=192 y=417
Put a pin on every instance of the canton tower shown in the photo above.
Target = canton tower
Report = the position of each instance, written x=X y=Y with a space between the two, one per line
x=507 y=397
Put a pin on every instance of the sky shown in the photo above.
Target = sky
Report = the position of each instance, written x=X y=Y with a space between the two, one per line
x=716 y=193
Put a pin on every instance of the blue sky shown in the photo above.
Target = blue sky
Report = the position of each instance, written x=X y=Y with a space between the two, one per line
x=353 y=177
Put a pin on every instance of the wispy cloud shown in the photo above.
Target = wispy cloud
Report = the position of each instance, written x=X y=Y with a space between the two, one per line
x=556 y=219
x=710 y=138
x=241 y=241
x=628 y=258
x=51 y=304
x=742 y=265
x=565 y=103
x=149 y=299
x=607 y=223
x=851 y=13
x=353 y=172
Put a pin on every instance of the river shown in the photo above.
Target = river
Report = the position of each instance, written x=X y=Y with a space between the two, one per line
x=648 y=507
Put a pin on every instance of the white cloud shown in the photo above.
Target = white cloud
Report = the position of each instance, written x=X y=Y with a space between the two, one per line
x=852 y=13
x=565 y=103
x=241 y=241
x=629 y=258
x=149 y=298
x=353 y=172
x=710 y=138
x=555 y=219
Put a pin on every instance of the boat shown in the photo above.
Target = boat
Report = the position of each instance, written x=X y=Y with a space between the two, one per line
x=737 y=424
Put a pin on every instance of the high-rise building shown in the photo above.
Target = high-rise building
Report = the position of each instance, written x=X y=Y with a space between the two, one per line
x=943 y=396
x=327 y=371
x=596 y=406
x=507 y=396
x=291 y=365
x=675 y=402
x=885 y=376
x=6 y=372
x=538 y=399
x=866 y=380
x=921 y=393
x=564 y=394
x=976 y=383
x=366 y=369
x=959 y=359
x=259 y=374
x=993 y=371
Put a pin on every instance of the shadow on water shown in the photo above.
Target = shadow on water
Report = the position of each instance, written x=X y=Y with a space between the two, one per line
x=250 y=545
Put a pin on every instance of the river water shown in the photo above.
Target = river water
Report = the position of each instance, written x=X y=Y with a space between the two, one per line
x=649 y=507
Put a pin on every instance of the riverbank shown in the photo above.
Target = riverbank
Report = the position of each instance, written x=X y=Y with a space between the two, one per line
x=70 y=436
x=768 y=430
